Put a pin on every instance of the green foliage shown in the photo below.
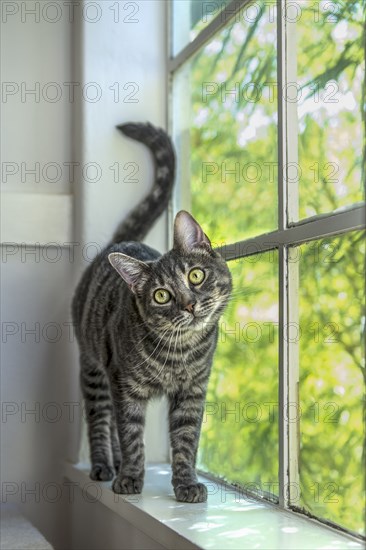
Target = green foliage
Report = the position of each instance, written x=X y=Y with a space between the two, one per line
x=234 y=168
x=238 y=131
x=332 y=379
x=242 y=400
x=331 y=107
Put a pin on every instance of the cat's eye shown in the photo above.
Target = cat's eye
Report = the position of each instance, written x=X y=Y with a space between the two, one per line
x=162 y=296
x=196 y=276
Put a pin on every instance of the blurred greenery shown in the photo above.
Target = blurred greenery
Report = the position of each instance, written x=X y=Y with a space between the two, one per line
x=332 y=378
x=226 y=119
x=331 y=108
x=241 y=405
x=233 y=143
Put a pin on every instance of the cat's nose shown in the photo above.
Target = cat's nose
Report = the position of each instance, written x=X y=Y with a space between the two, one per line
x=189 y=307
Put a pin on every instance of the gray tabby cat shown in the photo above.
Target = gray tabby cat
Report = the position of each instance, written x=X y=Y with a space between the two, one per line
x=147 y=325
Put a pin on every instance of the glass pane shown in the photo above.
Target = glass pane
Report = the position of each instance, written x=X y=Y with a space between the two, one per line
x=332 y=379
x=331 y=98
x=239 y=440
x=225 y=130
x=190 y=17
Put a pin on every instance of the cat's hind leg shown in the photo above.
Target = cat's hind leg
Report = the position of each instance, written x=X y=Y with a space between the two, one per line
x=99 y=415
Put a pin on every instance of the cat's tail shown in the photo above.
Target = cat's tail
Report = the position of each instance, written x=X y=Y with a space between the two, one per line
x=142 y=217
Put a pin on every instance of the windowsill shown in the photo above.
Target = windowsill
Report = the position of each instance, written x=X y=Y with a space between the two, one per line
x=227 y=520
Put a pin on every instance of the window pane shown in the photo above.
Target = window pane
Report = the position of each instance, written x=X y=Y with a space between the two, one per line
x=239 y=440
x=225 y=129
x=332 y=379
x=190 y=17
x=330 y=45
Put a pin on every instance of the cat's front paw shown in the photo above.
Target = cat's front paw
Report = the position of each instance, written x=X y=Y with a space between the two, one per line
x=117 y=463
x=196 y=492
x=101 y=472
x=125 y=485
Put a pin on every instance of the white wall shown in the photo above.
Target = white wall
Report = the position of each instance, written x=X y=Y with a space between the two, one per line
x=128 y=56
x=36 y=114
x=38 y=385
x=36 y=289
x=37 y=358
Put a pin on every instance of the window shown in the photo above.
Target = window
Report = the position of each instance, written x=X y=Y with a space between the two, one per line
x=268 y=119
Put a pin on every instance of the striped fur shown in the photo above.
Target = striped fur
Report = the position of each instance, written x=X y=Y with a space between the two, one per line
x=133 y=348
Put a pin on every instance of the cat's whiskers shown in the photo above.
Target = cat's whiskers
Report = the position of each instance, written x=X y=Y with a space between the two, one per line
x=181 y=352
x=135 y=348
x=160 y=338
x=167 y=355
x=213 y=304
x=180 y=320
x=165 y=326
x=244 y=291
x=166 y=359
x=176 y=340
x=231 y=296
x=169 y=340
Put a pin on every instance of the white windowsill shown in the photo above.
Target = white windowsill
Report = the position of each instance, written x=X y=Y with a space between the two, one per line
x=228 y=520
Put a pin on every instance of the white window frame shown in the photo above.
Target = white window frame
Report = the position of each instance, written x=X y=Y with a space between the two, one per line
x=289 y=234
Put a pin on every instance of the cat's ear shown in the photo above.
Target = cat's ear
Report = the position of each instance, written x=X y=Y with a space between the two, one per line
x=188 y=234
x=131 y=270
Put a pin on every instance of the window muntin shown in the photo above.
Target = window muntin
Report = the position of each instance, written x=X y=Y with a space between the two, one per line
x=291 y=197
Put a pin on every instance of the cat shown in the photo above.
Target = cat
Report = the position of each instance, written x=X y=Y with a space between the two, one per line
x=147 y=325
